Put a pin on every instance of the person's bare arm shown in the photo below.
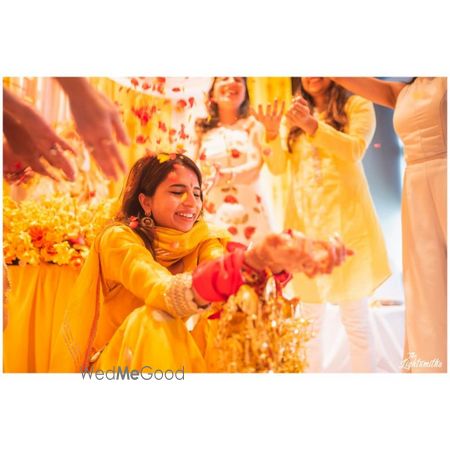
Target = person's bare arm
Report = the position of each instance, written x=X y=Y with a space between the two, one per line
x=381 y=92
x=98 y=122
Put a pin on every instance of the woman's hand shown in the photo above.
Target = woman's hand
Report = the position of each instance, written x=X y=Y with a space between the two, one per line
x=270 y=118
x=293 y=252
x=30 y=137
x=28 y=148
x=299 y=115
x=99 y=124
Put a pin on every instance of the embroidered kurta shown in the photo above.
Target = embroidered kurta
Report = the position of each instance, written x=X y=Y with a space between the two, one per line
x=118 y=304
x=241 y=208
x=330 y=194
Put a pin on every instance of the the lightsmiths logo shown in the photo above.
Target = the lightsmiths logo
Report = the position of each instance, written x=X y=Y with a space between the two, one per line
x=413 y=362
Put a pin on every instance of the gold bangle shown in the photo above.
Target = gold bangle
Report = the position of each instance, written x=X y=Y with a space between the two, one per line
x=179 y=297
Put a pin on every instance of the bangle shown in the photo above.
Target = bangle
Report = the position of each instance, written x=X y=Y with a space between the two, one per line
x=255 y=278
x=179 y=297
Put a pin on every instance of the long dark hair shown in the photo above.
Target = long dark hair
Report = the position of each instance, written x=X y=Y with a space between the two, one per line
x=145 y=176
x=205 y=124
x=337 y=97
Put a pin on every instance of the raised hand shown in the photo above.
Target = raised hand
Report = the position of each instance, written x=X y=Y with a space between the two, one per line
x=98 y=122
x=270 y=118
x=28 y=149
x=299 y=115
x=30 y=137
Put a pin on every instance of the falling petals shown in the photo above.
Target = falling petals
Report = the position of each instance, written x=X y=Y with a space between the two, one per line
x=230 y=199
x=249 y=231
x=141 y=139
x=232 y=230
x=163 y=157
x=235 y=153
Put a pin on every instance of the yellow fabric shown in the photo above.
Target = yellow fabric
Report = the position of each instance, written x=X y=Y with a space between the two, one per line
x=36 y=305
x=330 y=195
x=120 y=276
x=264 y=91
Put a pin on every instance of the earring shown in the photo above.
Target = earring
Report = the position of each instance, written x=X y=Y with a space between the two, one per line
x=147 y=221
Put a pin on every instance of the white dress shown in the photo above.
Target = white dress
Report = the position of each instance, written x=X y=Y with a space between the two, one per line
x=241 y=208
x=420 y=119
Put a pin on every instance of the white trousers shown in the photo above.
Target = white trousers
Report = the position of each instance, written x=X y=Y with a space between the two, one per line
x=424 y=224
x=355 y=318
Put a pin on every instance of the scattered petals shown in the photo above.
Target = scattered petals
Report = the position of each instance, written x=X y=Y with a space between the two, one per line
x=232 y=230
x=141 y=139
x=230 y=199
x=163 y=157
x=249 y=231
x=180 y=105
x=134 y=222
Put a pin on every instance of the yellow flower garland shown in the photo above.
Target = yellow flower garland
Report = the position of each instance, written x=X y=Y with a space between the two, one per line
x=56 y=230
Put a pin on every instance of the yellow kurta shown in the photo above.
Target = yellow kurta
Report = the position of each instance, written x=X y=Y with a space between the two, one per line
x=119 y=299
x=329 y=194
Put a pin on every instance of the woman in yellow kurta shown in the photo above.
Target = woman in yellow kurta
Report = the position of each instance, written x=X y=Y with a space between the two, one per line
x=324 y=137
x=132 y=264
x=141 y=281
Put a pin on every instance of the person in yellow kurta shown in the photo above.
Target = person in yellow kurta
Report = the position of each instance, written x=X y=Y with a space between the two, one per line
x=158 y=265
x=322 y=140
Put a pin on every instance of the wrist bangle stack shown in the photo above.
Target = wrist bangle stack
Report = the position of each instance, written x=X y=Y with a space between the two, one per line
x=179 y=297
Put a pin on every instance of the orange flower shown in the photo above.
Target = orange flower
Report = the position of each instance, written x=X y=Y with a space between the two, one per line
x=37 y=235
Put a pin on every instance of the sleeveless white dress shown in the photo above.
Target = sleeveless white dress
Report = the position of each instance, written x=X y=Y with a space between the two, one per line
x=420 y=119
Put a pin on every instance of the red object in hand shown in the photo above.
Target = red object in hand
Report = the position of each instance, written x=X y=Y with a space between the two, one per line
x=215 y=281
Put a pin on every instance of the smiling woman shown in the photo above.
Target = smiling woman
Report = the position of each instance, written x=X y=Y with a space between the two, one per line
x=159 y=264
x=230 y=154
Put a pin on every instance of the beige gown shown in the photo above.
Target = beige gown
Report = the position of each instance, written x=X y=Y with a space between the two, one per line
x=420 y=119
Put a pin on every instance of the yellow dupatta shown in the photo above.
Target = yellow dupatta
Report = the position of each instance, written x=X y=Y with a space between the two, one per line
x=71 y=352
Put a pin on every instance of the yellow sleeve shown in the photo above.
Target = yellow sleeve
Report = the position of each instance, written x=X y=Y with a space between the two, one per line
x=125 y=259
x=278 y=155
x=210 y=249
x=352 y=144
